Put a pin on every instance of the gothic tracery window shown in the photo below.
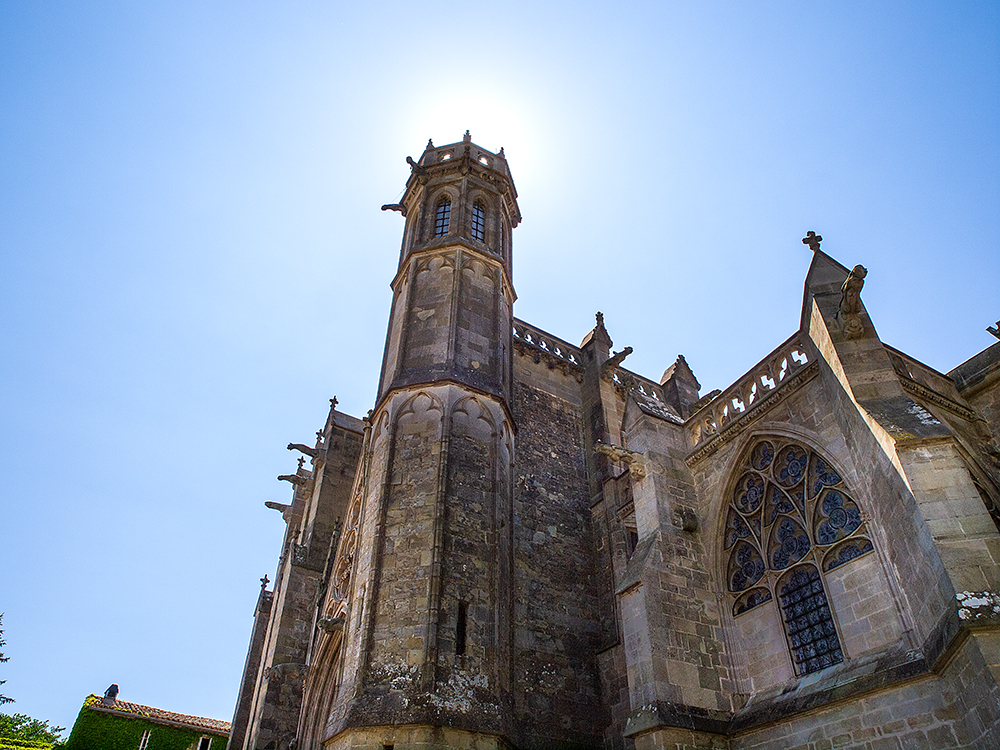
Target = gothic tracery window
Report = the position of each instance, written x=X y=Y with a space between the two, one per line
x=442 y=217
x=790 y=520
x=478 y=222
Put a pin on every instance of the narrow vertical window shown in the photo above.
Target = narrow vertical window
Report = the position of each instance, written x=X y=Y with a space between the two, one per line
x=144 y=740
x=442 y=217
x=463 y=613
x=808 y=622
x=478 y=222
x=205 y=743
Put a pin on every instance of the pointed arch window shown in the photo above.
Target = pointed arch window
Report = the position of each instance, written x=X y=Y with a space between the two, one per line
x=478 y=222
x=442 y=217
x=791 y=519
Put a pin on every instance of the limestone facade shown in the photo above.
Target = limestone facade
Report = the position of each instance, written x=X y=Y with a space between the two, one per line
x=526 y=545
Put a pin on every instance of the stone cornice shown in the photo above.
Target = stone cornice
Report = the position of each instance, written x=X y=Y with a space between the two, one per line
x=921 y=391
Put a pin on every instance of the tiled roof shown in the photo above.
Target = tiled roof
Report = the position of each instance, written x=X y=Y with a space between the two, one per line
x=157 y=714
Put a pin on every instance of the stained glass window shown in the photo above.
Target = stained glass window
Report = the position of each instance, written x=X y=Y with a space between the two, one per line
x=442 y=218
x=791 y=518
x=808 y=622
x=478 y=222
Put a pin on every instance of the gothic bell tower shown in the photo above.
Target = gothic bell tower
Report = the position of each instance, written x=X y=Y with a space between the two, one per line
x=460 y=207
x=425 y=563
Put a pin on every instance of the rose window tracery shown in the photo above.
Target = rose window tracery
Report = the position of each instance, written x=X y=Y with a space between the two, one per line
x=791 y=519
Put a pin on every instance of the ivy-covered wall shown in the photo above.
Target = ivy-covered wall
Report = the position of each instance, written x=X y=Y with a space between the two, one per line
x=97 y=730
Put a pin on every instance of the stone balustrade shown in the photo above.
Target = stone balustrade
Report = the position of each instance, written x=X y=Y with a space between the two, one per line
x=527 y=334
x=628 y=380
x=776 y=369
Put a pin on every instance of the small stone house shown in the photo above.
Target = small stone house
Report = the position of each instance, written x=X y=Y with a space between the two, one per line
x=112 y=724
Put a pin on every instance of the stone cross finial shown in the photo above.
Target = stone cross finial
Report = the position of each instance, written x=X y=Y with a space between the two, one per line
x=467 y=137
x=302 y=461
x=812 y=239
x=334 y=402
x=264 y=581
x=600 y=318
x=430 y=143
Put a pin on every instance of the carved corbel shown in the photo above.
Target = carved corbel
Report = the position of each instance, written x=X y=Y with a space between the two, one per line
x=636 y=462
x=287 y=671
x=330 y=624
x=685 y=518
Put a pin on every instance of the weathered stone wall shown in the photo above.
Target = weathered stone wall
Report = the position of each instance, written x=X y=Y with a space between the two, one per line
x=866 y=614
x=555 y=678
x=959 y=709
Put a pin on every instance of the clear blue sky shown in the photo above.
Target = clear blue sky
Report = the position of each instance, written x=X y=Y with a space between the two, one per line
x=194 y=260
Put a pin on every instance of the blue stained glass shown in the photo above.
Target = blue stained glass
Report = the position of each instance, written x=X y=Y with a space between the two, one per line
x=746 y=567
x=792 y=544
x=808 y=621
x=736 y=529
x=847 y=552
x=791 y=465
x=750 y=493
x=824 y=475
x=778 y=502
x=763 y=452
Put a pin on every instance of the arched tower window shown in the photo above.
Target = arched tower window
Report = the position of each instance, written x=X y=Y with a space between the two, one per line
x=790 y=520
x=442 y=217
x=478 y=222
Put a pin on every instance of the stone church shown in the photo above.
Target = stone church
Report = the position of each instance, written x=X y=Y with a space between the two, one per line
x=525 y=545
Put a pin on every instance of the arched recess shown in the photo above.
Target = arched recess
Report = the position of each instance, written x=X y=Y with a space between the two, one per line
x=485 y=229
x=321 y=691
x=468 y=542
x=433 y=216
x=796 y=559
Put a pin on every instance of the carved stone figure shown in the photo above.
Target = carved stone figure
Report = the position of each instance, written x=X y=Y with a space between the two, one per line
x=311 y=452
x=618 y=358
x=850 y=302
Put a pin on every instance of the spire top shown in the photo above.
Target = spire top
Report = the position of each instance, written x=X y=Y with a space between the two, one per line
x=466 y=138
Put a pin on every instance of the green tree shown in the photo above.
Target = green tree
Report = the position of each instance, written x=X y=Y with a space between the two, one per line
x=27 y=730
x=3 y=698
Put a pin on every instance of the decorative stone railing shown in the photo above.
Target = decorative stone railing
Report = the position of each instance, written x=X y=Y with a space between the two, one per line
x=775 y=370
x=626 y=380
x=547 y=343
